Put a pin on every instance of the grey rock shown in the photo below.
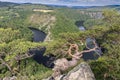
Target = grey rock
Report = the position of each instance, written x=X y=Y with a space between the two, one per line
x=80 y=72
x=10 y=78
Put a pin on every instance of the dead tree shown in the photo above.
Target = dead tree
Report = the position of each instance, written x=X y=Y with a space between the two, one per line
x=18 y=58
x=6 y=64
x=63 y=64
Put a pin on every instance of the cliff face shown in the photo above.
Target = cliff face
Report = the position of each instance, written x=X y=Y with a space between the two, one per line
x=80 y=72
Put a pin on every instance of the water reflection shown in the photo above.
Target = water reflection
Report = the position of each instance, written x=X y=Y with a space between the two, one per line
x=82 y=28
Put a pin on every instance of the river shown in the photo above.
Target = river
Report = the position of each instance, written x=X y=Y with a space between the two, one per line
x=89 y=41
x=38 y=35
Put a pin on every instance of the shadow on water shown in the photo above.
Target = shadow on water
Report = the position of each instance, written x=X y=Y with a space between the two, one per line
x=49 y=59
x=93 y=55
x=80 y=25
x=39 y=36
x=41 y=59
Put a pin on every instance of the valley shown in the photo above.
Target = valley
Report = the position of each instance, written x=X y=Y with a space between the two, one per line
x=34 y=36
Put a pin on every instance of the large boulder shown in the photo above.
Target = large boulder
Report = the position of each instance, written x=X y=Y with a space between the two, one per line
x=80 y=72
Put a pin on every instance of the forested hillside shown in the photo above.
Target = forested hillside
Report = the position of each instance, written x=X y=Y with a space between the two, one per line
x=62 y=28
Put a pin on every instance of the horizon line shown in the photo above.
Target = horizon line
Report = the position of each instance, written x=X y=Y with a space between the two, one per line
x=67 y=5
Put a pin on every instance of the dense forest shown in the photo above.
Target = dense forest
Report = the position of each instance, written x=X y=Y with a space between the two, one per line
x=62 y=27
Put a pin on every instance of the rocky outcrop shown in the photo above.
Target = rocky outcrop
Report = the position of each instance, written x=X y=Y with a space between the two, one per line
x=16 y=78
x=80 y=72
x=10 y=78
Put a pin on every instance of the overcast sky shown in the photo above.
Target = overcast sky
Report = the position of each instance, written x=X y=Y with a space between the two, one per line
x=71 y=2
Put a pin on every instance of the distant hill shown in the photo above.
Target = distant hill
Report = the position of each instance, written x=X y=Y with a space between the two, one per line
x=114 y=6
x=4 y=4
x=85 y=7
x=65 y=6
x=99 y=7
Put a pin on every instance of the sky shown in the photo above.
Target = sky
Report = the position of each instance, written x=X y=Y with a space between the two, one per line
x=70 y=2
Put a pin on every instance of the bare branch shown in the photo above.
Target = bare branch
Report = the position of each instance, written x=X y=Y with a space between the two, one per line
x=89 y=50
x=78 y=54
x=86 y=46
x=24 y=56
x=7 y=65
x=63 y=64
x=75 y=46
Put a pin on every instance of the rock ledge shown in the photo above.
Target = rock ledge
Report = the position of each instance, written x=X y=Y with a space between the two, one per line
x=80 y=72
